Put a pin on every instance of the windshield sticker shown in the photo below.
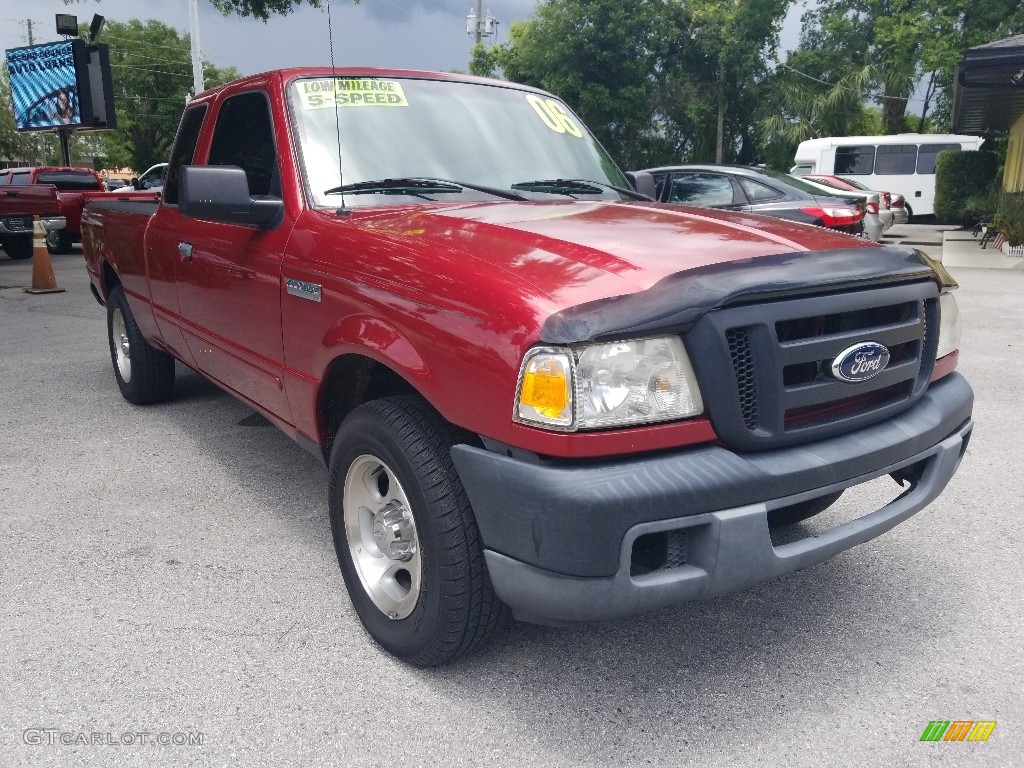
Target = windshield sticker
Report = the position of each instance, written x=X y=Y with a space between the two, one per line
x=554 y=116
x=351 y=92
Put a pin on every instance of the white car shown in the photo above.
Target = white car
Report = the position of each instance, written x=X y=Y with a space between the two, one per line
x=152 y=180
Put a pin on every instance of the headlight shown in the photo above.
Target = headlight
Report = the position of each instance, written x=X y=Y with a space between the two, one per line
x=545 y=389
x=949 y=325
x=596 y=386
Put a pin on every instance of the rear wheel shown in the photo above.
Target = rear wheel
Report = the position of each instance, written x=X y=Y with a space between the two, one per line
x=801 y=511
x=144 y=373
x=910 y=214
x=18 y=247
x=405 y=535
x=58 y=241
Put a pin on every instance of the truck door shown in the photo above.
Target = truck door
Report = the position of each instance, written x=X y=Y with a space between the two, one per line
x=229 y=275
x=163 y=235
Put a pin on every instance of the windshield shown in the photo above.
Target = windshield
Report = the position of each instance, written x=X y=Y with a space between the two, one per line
x=408 y=129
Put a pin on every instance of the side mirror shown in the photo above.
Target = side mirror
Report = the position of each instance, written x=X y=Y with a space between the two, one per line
x=643 y=182
x=221 y=193
x=134 y=182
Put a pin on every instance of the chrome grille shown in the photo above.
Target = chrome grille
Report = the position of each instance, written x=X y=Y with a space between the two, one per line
x=18 y=224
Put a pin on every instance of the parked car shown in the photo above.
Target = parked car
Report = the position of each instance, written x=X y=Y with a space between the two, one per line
x=71 y=184
x=874 y=225
x=109 y=185
x=885 y=211
x=152 y=180
x=900 y=212
x=758 y=190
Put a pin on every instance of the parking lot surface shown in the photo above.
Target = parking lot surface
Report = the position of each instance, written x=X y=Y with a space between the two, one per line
x=168 y=574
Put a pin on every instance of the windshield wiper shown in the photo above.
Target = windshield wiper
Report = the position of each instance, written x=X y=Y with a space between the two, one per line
x=417 y=186
x=572 y=187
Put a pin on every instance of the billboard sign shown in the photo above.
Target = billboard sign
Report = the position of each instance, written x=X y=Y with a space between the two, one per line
x=57 y=85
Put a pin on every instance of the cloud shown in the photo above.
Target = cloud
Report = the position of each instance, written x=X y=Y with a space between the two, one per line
x=399 y=11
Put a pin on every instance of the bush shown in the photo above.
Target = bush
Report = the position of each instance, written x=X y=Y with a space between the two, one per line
x=962 y=180
x=1010 y=218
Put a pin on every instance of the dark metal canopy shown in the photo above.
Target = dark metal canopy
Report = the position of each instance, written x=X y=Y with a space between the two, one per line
x=988 y=89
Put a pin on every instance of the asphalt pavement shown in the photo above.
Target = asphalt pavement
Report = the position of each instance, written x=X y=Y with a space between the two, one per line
x=168 y=575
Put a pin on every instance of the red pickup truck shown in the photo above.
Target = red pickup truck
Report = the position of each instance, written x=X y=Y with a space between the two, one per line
x=536 y=390
x=64 y=227
x=18 y=206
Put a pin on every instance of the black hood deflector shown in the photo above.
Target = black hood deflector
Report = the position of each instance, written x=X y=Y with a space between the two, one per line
x=675 y=303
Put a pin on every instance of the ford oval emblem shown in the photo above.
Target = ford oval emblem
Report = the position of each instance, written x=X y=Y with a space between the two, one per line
x=860 y=362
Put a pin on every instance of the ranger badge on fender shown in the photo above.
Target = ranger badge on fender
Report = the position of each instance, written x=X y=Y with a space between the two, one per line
x=860 y=362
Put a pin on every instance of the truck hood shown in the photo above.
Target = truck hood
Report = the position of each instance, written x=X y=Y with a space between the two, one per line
x=579 y=251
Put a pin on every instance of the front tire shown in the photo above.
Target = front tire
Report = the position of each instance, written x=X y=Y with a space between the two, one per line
x=405 y=536
x=144 y=373
x=18 y=247
x=58 y=242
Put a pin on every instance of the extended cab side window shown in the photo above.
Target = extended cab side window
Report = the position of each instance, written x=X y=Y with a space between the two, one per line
x=184 y=150
x=20 y=177
x=244 y=136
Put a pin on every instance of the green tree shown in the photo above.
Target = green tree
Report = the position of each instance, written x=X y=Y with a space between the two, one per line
x=17 y=147
x=607 y=60
x=653 y=80
x=152 y=73
x=881 y=51
x=738 y=36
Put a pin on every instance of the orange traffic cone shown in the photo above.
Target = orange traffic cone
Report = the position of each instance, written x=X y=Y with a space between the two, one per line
x=43 y=280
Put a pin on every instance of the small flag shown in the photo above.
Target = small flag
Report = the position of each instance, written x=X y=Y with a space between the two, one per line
x=997 y=243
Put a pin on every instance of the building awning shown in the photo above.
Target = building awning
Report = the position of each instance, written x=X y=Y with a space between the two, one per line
x=988 y=88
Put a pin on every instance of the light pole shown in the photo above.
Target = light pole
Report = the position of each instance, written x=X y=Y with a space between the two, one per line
x=197 y=62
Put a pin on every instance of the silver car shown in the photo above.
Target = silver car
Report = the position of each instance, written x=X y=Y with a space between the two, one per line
x=874 y=224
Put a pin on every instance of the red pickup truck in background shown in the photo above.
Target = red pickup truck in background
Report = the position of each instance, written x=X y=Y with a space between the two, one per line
x=536 y=390
x=71 y=184
x=18 y=206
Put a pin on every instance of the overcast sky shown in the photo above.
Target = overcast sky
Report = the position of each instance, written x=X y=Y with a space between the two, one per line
x=415 y=34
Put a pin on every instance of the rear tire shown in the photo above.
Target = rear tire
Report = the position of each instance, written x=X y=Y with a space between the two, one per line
x=405 y=536
x=18 y=247
x=144 y=373
x=58 y=242
x=804 y=510
x=910 y=214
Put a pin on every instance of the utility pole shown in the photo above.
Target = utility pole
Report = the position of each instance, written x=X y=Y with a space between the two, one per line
x=480 y=26
x=197 y=62
x=721 y=108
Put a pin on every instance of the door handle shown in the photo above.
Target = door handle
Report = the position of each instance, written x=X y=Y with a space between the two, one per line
x=185 y=251
x=11 y=193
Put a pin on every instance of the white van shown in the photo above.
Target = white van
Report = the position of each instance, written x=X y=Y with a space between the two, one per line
x=904 y=163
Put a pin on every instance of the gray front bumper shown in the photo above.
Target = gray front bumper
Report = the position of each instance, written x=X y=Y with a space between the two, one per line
x=547 y=530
